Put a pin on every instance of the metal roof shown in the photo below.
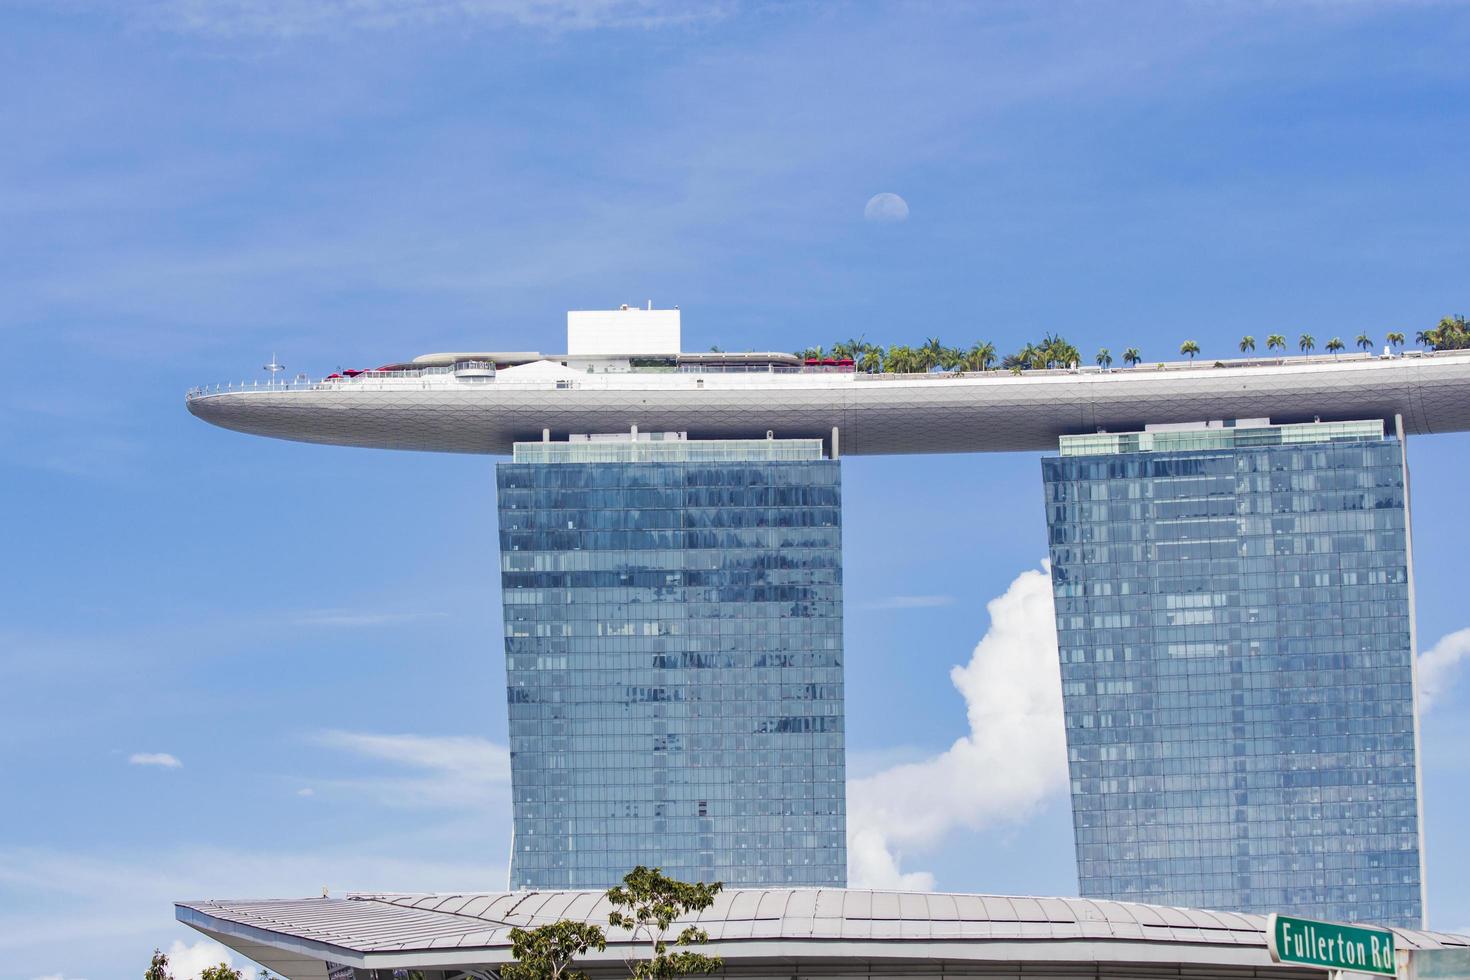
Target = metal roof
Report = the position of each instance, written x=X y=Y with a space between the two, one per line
x=991 y=411
x=832 y=923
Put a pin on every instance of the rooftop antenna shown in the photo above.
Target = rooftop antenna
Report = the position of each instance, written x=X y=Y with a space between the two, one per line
x=274 y=367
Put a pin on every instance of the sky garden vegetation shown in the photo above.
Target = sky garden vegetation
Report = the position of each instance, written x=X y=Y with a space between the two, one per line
x=1052 y=351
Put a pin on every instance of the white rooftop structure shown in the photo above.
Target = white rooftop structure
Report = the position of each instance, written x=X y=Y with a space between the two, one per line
x=772 y=932
x=626 y=331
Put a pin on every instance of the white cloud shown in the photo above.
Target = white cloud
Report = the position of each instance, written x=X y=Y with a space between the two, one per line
x=54 y=976
x=455 y=769
x=294 y=18
x=187 y=962
x=306 y=791
x=1440 y=665
x=912 y=602
x=161 y=759
x=1013 y=758
x=886 y=208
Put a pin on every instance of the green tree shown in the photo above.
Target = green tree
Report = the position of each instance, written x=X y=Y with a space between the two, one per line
x=1364 y=341
x=1306 y=342
x=980 y=357
x=158 y=968
x=929 y=356
x=900 y=360
x=1131 y=357
x=546 y=952
x=1276 y=342
x=646 y=905
x=1335 y=346
x=1105 y=358
x=1395 y=339
x=221 y=972
x=1189 y=347
x=871 y=359
x=1452 y=333
x=1247 y=343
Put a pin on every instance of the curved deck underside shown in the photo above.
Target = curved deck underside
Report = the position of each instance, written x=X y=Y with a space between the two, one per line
x=877 y=415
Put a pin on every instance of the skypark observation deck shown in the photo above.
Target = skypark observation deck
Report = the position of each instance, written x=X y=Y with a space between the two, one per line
x=483 y=403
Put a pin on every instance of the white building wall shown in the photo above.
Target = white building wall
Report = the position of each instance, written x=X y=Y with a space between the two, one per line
x=622 y=332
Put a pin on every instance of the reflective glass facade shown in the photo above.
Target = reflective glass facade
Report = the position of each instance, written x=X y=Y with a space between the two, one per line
x=673 y=618
x=1234 y=632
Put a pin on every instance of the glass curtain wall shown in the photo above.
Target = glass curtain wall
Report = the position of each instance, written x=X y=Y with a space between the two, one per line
x=1234 y=633
x=673 y=618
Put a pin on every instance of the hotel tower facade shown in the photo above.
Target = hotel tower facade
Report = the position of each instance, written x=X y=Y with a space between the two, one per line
x=1235 y=627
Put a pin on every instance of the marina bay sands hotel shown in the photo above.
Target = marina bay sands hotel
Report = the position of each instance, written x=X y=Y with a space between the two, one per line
x=1232 y=567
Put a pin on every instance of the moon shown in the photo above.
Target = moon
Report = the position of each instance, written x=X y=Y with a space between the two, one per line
x=886 y=208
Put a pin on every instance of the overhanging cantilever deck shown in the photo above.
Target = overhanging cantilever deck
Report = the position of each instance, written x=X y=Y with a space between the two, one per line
x=876 y=414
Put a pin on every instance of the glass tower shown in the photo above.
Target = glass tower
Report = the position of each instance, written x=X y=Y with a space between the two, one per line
x=1233 y=606
x=673 y=641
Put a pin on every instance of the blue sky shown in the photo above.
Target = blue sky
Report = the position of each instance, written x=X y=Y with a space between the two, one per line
x=312 y=633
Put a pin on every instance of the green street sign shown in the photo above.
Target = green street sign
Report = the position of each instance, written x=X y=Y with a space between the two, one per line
x=1331 y=945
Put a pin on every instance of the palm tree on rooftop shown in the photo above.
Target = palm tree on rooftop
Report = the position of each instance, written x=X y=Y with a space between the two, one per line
x=1189 y=347
x=930 y=354
x=1306 y=342
x=1395 y=339
x=1105 y=358
x=1426 y=338
x=1276 y=342
x=1364 y=341
x=871 y=359
x=980 y=357
x=1131 y=357
x=1334 y=346
x=1247 y=343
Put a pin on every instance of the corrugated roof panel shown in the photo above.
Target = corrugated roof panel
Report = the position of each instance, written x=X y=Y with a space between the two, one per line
x=1028 y=909
x=913 y=905
x=1058 y=909
x=941 y=907
x=478 y=906
x=772 y=904
x=404 y=922
x=830 y=902
x=970 y=908
x=999 y=909
x=885 y=906
x=798 y=927
x=582 y=906
x=743 y=904
x=802 y=904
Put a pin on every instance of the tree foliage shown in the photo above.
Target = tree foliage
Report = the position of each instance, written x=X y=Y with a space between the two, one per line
x=547 y=952
x=646 y=905
x=1452 y=333
x=158 y=967
x=1054 y=351
x=223 y=971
